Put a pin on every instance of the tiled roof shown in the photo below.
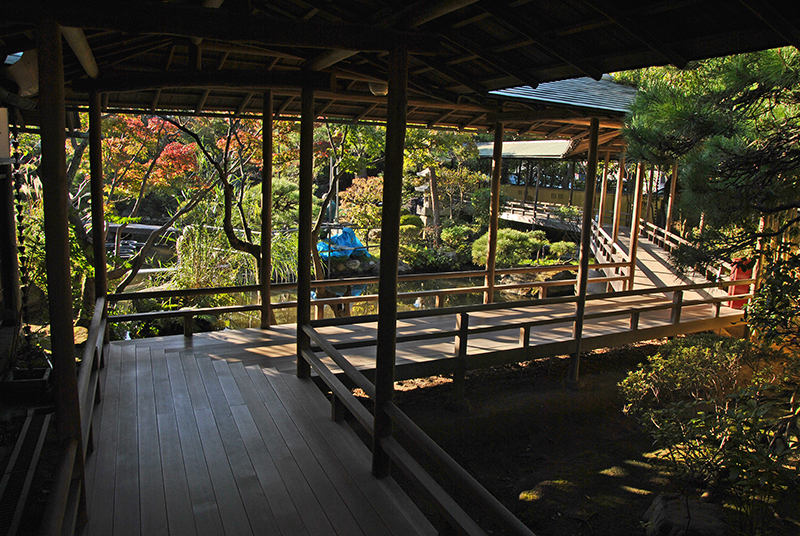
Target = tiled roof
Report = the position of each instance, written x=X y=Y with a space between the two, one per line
x=603 y=94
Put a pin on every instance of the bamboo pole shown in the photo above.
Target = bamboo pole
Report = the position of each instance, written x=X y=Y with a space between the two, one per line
x=585 y=251
x=266 y=212
x=98 y=215
x=304 y=228
x=494 y=212
x=390 y=256
x=53 y=174
x=618 y=199
x=637 y=207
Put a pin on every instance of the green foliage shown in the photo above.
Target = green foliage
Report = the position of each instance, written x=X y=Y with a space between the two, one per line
x=774 y=311
x=457 y=236
x=562 y=249
x=411 y=219
x=568 y=213
x=429 y=259
x=481 y=203
x=360 y=204
x=409 y=234
x=514 y=248
x=706 y=401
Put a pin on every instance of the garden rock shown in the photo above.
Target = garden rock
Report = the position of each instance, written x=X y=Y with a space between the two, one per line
x=667 y=516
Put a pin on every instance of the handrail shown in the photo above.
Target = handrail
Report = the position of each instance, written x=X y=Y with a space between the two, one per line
x=64 y=501
x=454 y=512
x=668 y=241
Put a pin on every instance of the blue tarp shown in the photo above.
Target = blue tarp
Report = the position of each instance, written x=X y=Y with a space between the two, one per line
x=343 y=245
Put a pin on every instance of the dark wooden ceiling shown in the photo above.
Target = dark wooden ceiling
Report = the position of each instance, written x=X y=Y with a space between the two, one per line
x=217 y=57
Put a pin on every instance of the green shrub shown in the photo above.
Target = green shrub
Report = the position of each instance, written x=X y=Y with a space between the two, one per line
x=457 y=236
x=409 y=234
x=411 y=219
x=514 y=248
x=705 y=401
x=561 y=249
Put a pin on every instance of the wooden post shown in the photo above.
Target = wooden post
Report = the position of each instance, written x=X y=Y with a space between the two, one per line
x=494 y=212
x=618 y=200
x=603 y=188
x=266 y=212
x=460 y=372
x=9 y=264
x=637 y=207
x=97 y=196
x=390 y=255
x=671 y=203
x=536 y=192
x=53 y=174
x=304 y=228
x=585 y=251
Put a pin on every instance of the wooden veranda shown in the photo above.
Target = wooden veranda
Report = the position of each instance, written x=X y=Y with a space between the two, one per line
x=438 y=61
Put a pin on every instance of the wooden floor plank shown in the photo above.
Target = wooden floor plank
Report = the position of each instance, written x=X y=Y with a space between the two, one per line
x=153 y=509
x=335 y=509
x=238 y=473
x=229 y=502
x=163 y=392
x=126 y=488
x=290 y=476
x=103 y=459
x=180 y=517
x=351 y=473
x=201 y=491
x=194 y=382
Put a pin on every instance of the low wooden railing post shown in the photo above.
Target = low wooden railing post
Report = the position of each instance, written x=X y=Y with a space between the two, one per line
x=338 y=409
x=634 y=320
x=525 y=337
x=459 y=375
x=187 y=324
x=677 y=303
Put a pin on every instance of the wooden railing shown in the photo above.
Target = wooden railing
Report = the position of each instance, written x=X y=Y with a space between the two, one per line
x=342 y=397
x=188 y=314
x=450 y=511
x=67 y=495
x=670 y=241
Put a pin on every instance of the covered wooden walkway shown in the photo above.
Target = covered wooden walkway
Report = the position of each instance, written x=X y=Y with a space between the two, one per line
x=192 y=441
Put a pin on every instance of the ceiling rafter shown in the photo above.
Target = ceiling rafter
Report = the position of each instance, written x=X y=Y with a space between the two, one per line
x=635 y=30
x=536 y=34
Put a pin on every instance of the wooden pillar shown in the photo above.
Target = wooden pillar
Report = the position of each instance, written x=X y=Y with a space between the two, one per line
x=304 y=227
x=618 y=199
x=603 y=189
x=98 y=214
x=390 y=255
x=266 y=211
x=585 y=251
x=671 y=203
x=53 y=174
x=637 y=208
x=536 y=192
x=9 y=262
x=494 y=212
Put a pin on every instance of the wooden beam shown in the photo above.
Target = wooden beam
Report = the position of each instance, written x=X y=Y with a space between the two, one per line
x=673 y=184
x=603 y=189
x=390 y=257
x=53 y=174
x=494 y=212
x=191 y=21
x=537 y=34
x=618 y=199
x=98 y=214
x=266 y=212
x=122 y=81
x=637 y=208
x=76 y=40
x=306 y=172
x=585 y=250
x=775 y=20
